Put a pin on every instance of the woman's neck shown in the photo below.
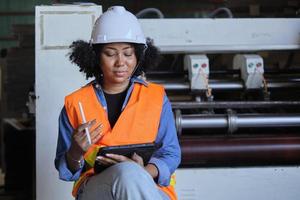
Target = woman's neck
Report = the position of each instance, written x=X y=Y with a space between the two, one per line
x=114 y=88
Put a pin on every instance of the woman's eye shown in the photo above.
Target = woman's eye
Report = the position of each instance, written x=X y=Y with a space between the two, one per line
x=110 y=54
x=128 y=54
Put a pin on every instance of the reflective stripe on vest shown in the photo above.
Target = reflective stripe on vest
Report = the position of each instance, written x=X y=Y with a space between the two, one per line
x=138 y=122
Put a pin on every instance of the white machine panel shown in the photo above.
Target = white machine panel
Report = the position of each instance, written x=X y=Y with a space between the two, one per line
x=198 y=68
x=252 y=69
x=221 y=35
x=56 y=27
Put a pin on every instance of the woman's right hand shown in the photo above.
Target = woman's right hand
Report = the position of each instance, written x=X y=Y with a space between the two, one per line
x=80 y=143
x=80 y=139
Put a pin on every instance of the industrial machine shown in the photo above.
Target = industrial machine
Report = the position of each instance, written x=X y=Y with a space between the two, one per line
x=242 y=112
x=234 y=85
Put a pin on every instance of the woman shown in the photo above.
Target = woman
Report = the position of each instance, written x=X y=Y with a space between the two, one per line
x=120 y=108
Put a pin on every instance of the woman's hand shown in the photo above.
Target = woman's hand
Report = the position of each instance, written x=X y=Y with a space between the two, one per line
x=111 y=159
x=80 y=143
x=80 y=139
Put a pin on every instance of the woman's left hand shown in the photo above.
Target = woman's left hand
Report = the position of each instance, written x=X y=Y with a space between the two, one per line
x=111 y=159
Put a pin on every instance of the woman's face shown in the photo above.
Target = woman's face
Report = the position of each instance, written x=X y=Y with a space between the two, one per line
x=117 y=61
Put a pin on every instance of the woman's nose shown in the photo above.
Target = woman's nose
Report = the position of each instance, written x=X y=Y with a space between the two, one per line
x=120 y=60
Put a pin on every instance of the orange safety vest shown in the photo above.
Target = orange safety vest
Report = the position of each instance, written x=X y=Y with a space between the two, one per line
x=138 y=123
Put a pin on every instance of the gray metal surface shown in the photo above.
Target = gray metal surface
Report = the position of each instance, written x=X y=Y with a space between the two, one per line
x=234 y=104
x=238 y=121
x=230 y=84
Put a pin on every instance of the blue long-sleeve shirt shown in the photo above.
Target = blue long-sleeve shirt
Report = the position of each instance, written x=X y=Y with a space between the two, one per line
x=166 y=159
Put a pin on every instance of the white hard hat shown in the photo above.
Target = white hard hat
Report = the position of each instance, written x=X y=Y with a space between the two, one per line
x=117 y=25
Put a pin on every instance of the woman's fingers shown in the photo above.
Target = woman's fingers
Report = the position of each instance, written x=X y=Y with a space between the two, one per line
x=88 y=125
x=105 y=161
x=96 y=134
x=111 y=159
x=80 y=136
x=79 y=133
x=138 y=159
x=116 y=157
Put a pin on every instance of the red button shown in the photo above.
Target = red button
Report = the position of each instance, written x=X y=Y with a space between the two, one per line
x=204 y=65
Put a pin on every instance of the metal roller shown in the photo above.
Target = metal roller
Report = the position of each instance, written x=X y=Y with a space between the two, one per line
x=229 y=84
x=268 y=71
x=234 y=121
x=234 y=104
x=239 y=151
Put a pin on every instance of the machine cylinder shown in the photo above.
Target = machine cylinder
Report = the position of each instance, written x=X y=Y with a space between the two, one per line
x=239 y=151
x=240 y=121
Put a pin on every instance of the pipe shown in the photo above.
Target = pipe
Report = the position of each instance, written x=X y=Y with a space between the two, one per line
x=150 y=10
x=215 y=12
x=234 y=104
x=270 y=73
x=233 y=151
x=234 y=121
x=229 y=85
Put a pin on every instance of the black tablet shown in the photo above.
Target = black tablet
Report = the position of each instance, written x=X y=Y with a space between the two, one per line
x=144 y=150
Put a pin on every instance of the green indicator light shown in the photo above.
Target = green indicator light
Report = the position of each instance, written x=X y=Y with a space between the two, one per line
x=196 y=65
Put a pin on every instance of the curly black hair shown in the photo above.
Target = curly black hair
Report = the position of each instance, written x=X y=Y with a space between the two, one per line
x=86 y=56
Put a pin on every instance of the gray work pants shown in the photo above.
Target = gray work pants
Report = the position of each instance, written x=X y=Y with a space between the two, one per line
x=122 y=181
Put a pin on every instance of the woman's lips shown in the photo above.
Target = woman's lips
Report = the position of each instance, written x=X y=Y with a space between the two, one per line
x=120 y=73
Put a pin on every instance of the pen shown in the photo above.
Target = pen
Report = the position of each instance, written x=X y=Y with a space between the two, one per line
x=84 y=121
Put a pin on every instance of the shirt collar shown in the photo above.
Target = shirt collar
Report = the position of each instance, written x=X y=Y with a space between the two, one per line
x=132 y=80
x=139 y=80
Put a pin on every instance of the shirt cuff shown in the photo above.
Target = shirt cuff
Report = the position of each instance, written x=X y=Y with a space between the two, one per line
x=66 y=174
x=164 y=175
